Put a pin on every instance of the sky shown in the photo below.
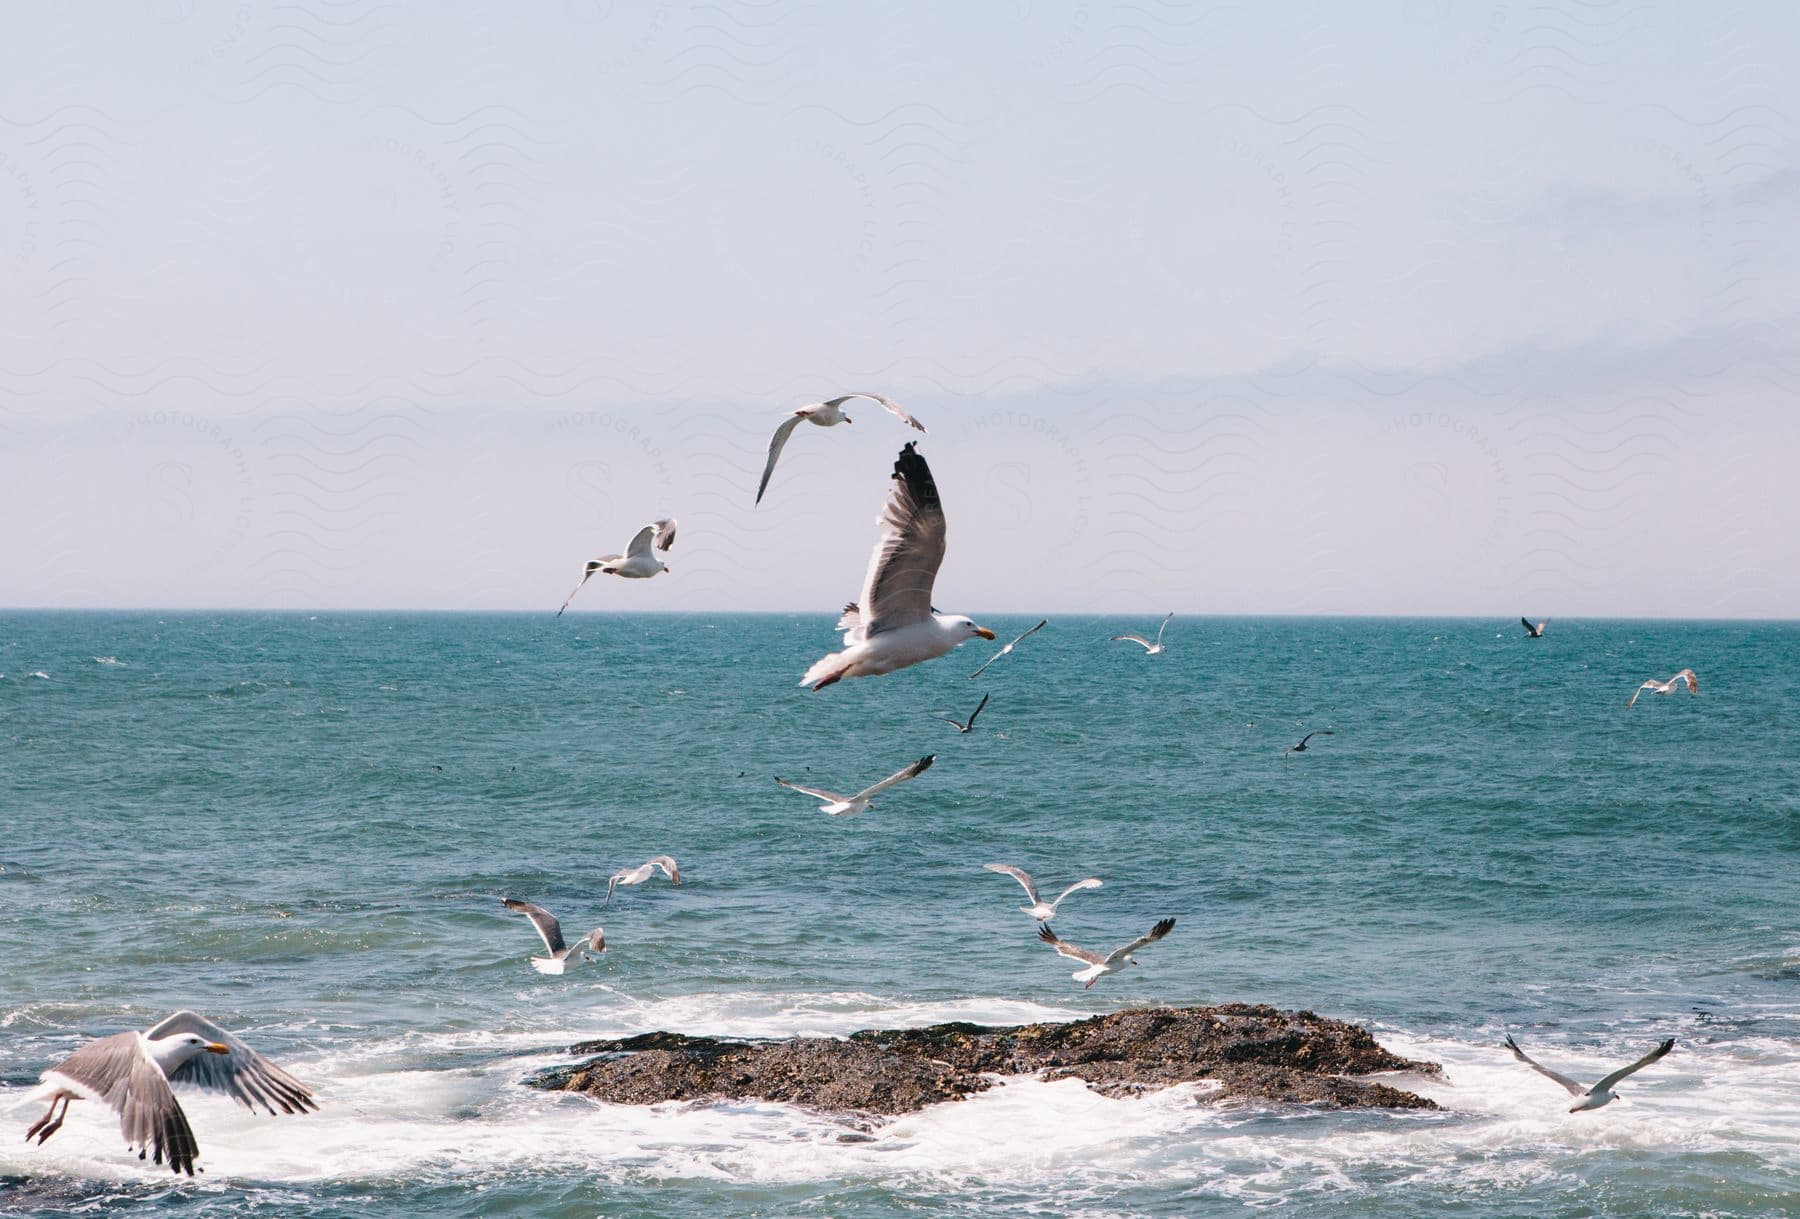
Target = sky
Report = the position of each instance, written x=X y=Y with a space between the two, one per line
x=1407 y=307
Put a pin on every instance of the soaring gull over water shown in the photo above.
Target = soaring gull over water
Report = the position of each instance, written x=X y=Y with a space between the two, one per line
x=132 y=1074
x=968 y=724
x=1534 y=632
x=642 y=873
x=637 y=563
x=1150 y=649
x=1099 y=966
x=825 y=414
x=1667 y=687
x=1009 y=647
x=550 y=931
x=1602 y=1092
x=892 y=625
x=1039 y=909
x=840 y=805
x=1301 y=747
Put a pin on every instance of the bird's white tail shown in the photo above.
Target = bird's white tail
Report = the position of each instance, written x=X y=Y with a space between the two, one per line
x=549 y=965
x=825 y=671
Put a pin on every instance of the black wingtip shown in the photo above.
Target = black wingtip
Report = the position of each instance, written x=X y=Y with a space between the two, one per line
x=1045 y=934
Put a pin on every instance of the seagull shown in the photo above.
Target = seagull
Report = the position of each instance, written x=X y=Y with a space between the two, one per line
x=1009 y=647
x=1114 y=961
x=131 y=1074
x=838 y=805
x=959 y=725
x=1602 y=1092
x=1150 y=649
x=1668 y=687
x=642 y=873
x=1301 y=747
x=551 y=931
x=1039 y=909
x=1535 y=632
x=637 y=563
x=825 y=414
x=892 y=625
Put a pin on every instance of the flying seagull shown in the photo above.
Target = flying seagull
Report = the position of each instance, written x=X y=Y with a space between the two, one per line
x=1301 y=747
x=1009 y=647
x=960 y=725
x=824 y=414
x=551 y=932
x=637 y=563
x=1150 y=649
x=1114 y=961
x=839 y=805
x=891 y=626
x=132 y=1074
x=642 y=873
x=1535 y=632
x=1039 y=909
x=1602 y=1092
x=1668 y=687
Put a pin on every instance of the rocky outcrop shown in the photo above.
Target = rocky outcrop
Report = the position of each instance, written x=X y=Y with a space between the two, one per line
x=1249 y=1051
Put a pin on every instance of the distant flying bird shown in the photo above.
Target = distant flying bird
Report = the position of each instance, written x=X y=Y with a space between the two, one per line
x=131 y=1074
x=637 y=563
x=1039 y=909
x=959 y=724
x=1301 y=747
x=1151 y=649
x=892 y=624
x=824 y=414
x=1099 y=966
x=642 y=873
x=1009 y=647
x=1668 y=687
x=551 y=932
x=1535 y=632
x=840 y=805
x=1602 y=1092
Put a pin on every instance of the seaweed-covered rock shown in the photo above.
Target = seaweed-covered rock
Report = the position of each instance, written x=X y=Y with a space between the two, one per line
x=1250 y=1051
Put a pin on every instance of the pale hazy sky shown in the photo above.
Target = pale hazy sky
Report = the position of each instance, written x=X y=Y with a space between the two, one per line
x=1404 y=307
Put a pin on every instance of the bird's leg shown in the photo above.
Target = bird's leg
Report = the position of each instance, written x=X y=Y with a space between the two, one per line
x=45 y=1125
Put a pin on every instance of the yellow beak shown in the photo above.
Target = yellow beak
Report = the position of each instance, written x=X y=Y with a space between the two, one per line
x=217 y=1047
x=984 y=632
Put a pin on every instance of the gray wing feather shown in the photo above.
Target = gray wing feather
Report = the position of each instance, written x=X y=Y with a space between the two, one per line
x=1155 y=933
x=665 y=534
x=904 y=566
x=128 y=1082
x=542 y=919
x=900 y=776
x=820 y=792
x=640 y=545
x=1069 y=950
x=1092 y=882
x=1639 y=1065
x=1018 y=874
x=1573 y=1088
x=888 y=403
x=777 y=442
x=244 y=1075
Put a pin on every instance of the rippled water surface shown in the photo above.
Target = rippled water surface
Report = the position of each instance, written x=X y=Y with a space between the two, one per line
x=302 y=825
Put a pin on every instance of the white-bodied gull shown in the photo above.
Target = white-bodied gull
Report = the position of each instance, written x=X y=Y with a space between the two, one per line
x=969 y=724
x=840 y=805
x=1099 y=966
x=892 y=625
x=824 y=414
x=642 y=873
x=551 y=932
x=1039 y=909
x=132 y=1074
x=1668 y=687
x=1150 y=649
x=1602 y=1092
x=1009 y=647
x=639 y=561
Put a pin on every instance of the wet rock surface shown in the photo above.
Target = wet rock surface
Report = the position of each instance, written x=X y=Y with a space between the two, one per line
x=1249 y=1051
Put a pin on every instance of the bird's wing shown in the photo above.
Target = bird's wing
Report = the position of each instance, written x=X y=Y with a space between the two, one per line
x=820 y=792
x=243 y=1074
x=899 y=776
x=850 y=622
x=665 y=534
x=1137 y=639
x=542 y=919
x=892 y=406
x=1092 y=882
x=1164 y=625
x=1574 y=1089
x=1693 y=680
x=1018 y=874
x=670 y=868
x=977 y=711
x=640 y=545
x=1154 y=934
x=1042 y=623
x=1527 y=624
x=1069 y=950
x=1649 y=685
x=566 y=600
x=596 y=939
x=1639 y=1065
x=990 y=660
x=117 y=1072
x=897 y=589
x=777 y=442
x=1303 y=740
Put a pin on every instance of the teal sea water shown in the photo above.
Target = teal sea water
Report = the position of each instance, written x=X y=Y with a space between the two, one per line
x=302 y=825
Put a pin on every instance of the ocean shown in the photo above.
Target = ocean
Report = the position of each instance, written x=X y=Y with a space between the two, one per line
x=302 y=826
